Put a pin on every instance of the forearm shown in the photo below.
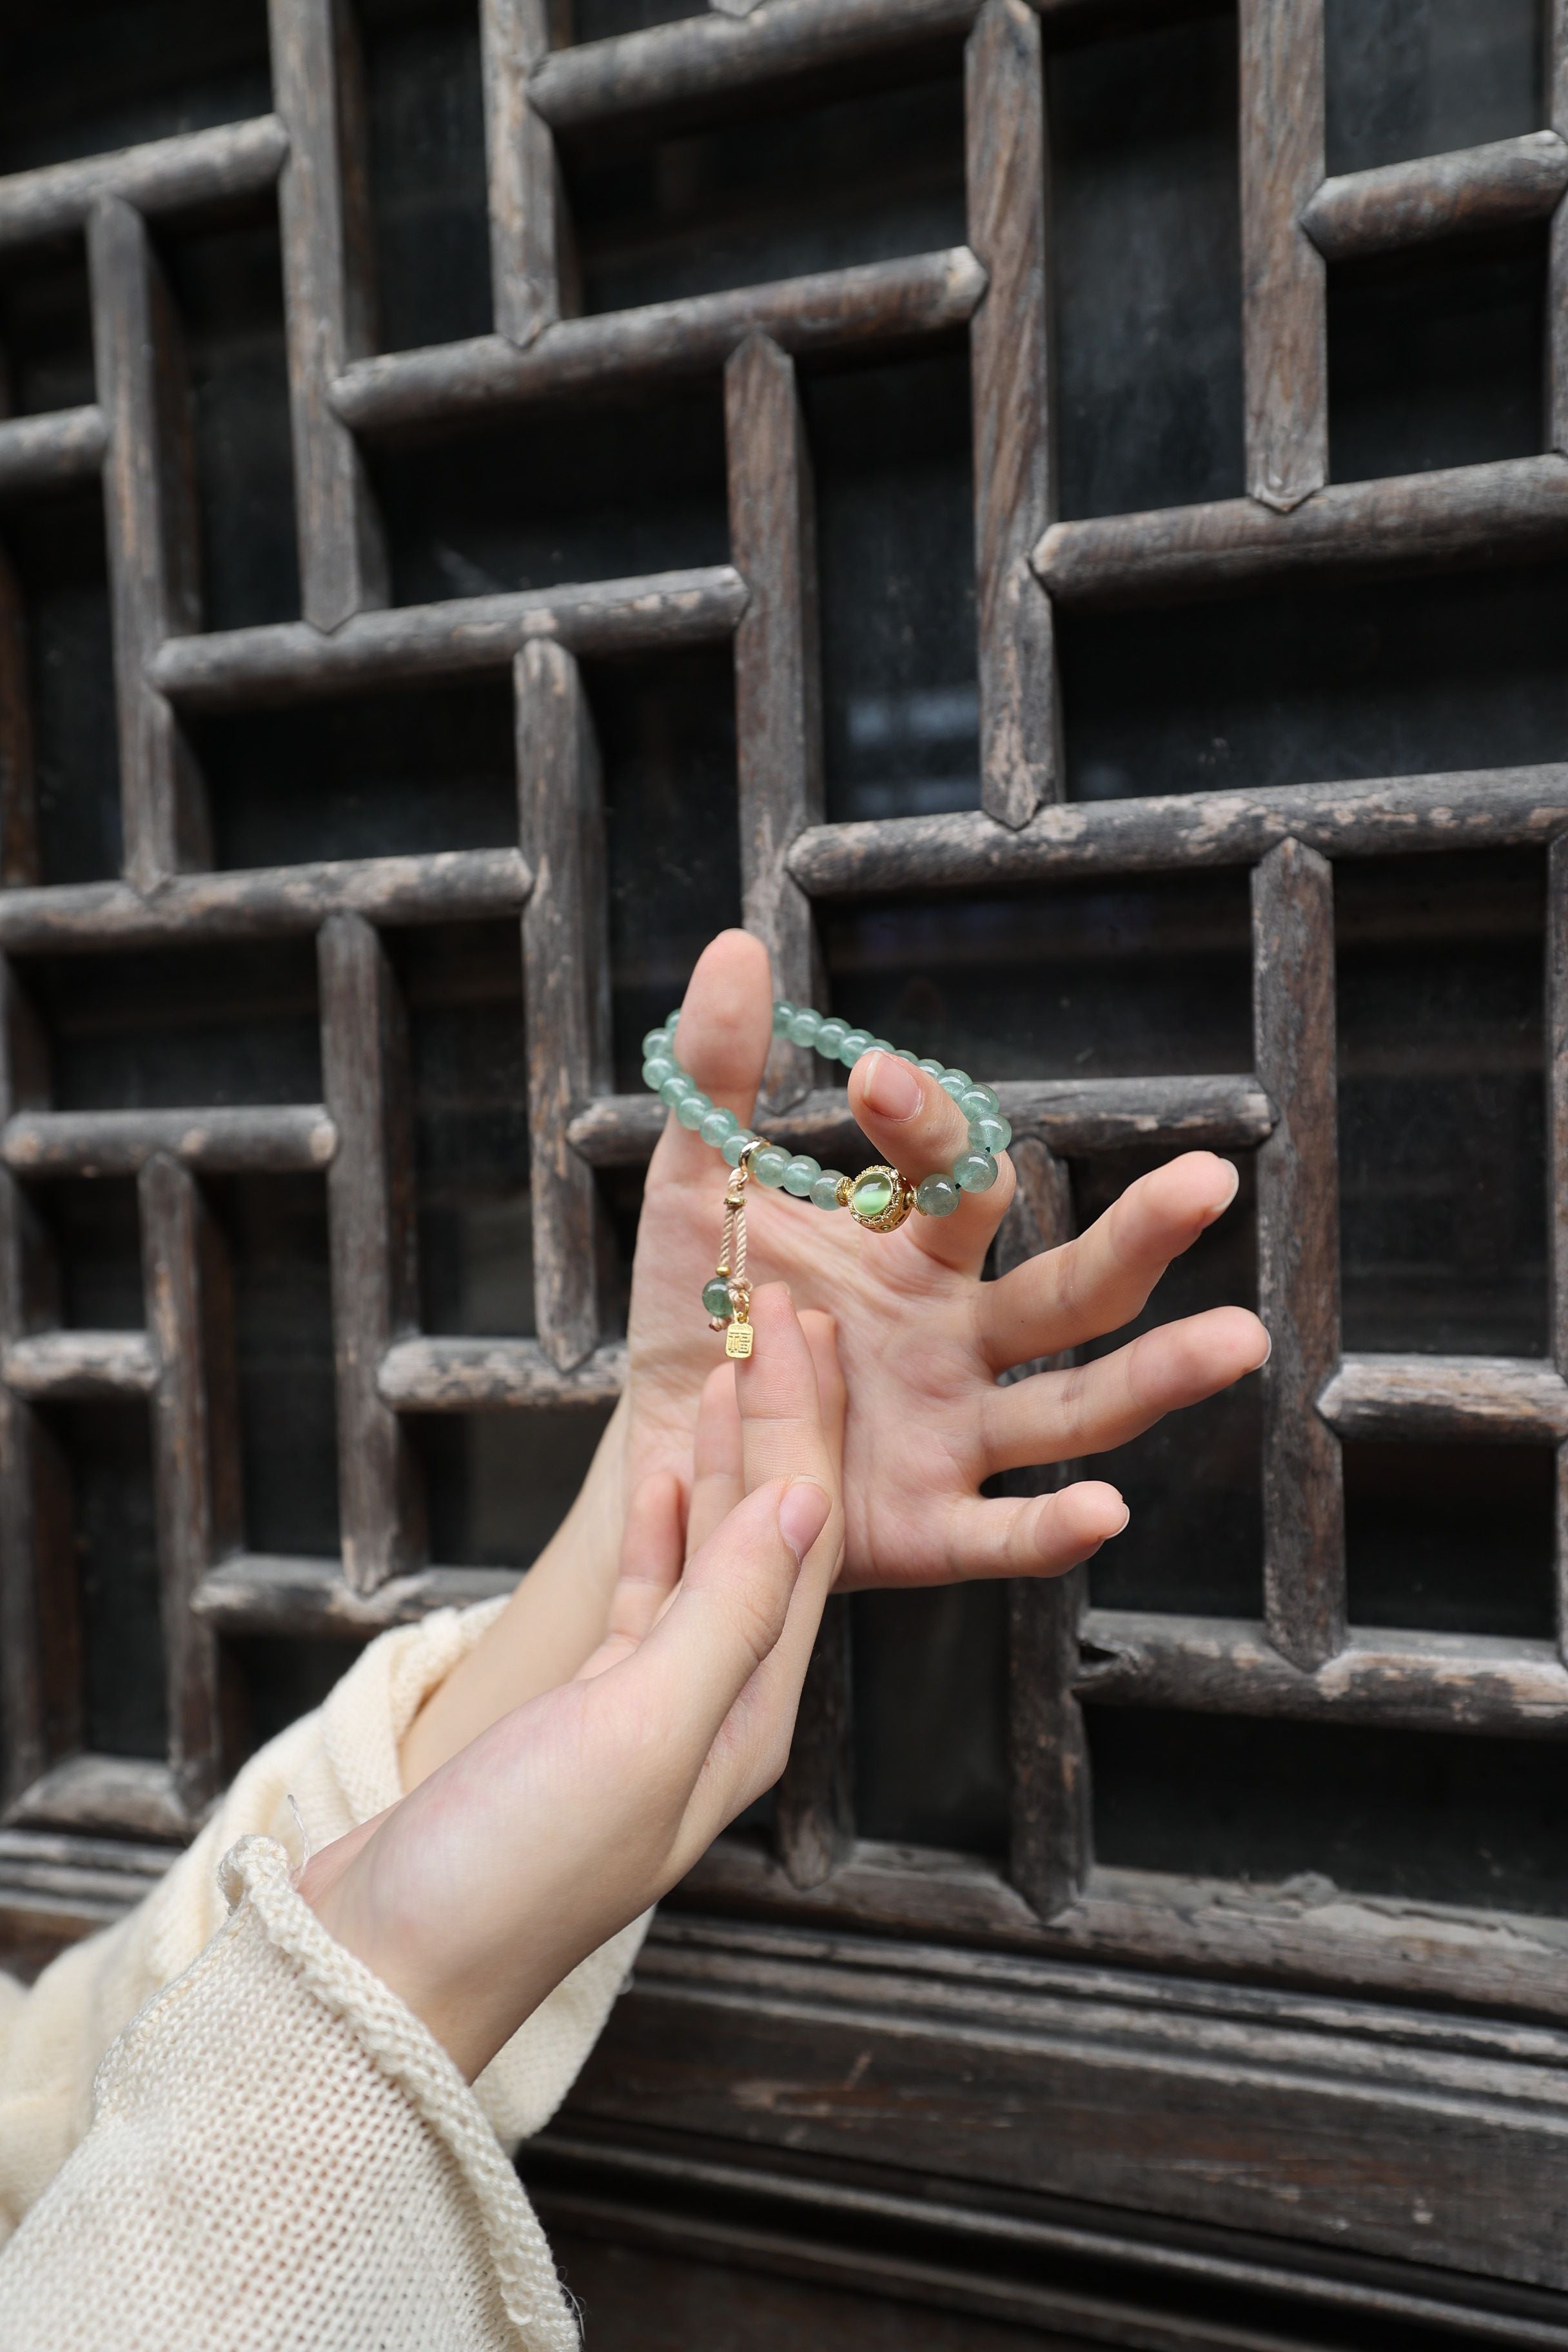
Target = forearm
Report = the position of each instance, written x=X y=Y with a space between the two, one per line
x=552 y=1625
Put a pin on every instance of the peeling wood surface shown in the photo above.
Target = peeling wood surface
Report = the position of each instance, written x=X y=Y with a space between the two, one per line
x=1436 y=1400
x=1506 y=183
x=119 y=1142
x=255 y=1593
x=183 y=174
x=109 y=1795
x=58 y=1364
x=1284 y=287
x=485 y=1375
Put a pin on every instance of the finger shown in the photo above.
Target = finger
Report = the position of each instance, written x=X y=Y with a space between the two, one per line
x=723 y=1039
x=821 y=1333
x=920 y=1131
x=1100 y=1281
x=718 y=1473
x=779 y=1396
x=1042 y=1535
x=649 y=1569
x=1060 y=1416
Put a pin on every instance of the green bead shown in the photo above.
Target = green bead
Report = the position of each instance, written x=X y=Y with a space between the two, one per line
x=718 y=1125
x=975 y=1171
x=656 y=1042
x=991 y=1133
x=693 y=1109
x=955 y=1082
x=671 y=1022
x=872 y=1195
x=904 y=1055
x=802 y=1174
x=717 y=1299
x=768 y=1166
x=856 y=1043
x=830 y=1037
x=784 y=1013
x=733 y=1145
x=824 y=1189
x=979 y=1102
x=936 y=1068
x=803 y=1029
x=676 y=1089
x=656 y=1069
x=937 y=1196
x=883 y=1045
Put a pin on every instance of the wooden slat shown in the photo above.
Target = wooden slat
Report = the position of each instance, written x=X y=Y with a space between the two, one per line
x=327 y=300
x=50 y=1366
x=814 y=1816
x=1008 y=177
x=370 y=1209
x=150 y=510
x=1556 y=97
x=195 y=1453
x=182 y=175
x=878 y=302
x=113 y=1795
x=1284 y=294
x=778 y=677
x=297 y=1136
x=1436 y=1400
x=1387 y=210
x=520 y=155
x=18 y=780
x=1174 y=831
x=565 y=988
x=1556 y=1076
x=1424 y=1682
x=488 y=1375
x=1049 y=1834
x=1514 y=508
x=288 y=662
x=1072 y=1115
x=299 y=1599
x=39 y=454
x=1299 y=1251
x=266 y=902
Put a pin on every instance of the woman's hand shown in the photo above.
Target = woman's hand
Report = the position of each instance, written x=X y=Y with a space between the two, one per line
x=920 y=1338
x=477 y=1894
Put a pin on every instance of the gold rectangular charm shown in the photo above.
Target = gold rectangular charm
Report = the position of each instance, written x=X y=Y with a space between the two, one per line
x=738 y=1339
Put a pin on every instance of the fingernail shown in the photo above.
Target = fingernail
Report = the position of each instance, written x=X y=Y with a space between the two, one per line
x=1126 y=1522
x=889 y=1087
x=802 y=1514
x=1219 y=1208
x=1268 y=1349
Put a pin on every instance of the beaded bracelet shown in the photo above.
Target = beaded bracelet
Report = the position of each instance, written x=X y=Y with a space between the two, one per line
x=880 y=1198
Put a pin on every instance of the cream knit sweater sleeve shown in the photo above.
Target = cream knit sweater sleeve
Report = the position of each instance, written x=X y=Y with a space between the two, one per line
x=281 y=2155
x=340 y=1766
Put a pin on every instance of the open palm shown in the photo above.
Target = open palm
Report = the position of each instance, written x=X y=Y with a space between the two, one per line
x=922 y=1340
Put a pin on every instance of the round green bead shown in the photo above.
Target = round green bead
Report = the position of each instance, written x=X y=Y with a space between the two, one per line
x=802 y=1174
x=830 y=1037
x=784 y=1013
x=717 y=1299
x=979 y=1102
x=824 y=1189
x=675 y=1090
x=936 y=1068
x=693 y=1109
x=904 y=1055
x=856 y=1043
x=883 y=1045
x=975 y=1171
x=671 y=1022
x=733 y=1145
x=991 y=1132
x=656 y=1042
x=803 y=1029
x=955 y=1082
x=656 y=1069
x=768 y=1166
x=718 y=1125
x=937 y=1196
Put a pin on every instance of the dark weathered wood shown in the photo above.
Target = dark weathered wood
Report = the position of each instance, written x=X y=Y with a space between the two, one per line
x=181 y=174
x=1556 y=1074
x=50 y=1365
x=833 y=310
x=565 y=988
x=299 y=1599
x=120 y=1143
x=778 y=677
x=1425 y=1681
x=370 y=1207
x=18 y=792
x=1051 y=1839
x=266 y=902
x=1073 y=1116
x=1284 y=292
x=1173 y=832
x=195 y=1453
x=520 y=150
x=814 y=1817
x=1009 y=174
x=112 y=1794
x=480 y=1375
x=1438 y=1400
x=1397 y=206
x=1518 y=505
x=1299 y=1251
x=328 y=302
x=150 y=511
x=1555 y=46
x=50 y=452
x=289 y=662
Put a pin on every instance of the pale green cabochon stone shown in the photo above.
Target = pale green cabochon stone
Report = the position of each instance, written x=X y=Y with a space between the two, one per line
x=872 y=1195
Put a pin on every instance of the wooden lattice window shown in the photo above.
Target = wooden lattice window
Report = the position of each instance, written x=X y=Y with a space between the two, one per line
x=967 y=490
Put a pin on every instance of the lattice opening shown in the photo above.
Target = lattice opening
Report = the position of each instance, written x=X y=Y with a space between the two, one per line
x=182 y=1028
x=914 y=1654
x=1451 y=1538
x=425 y=141
x=67 y=760
x=93 y=75
x=1405 y=81
x=498 y=1485
x=46 y=330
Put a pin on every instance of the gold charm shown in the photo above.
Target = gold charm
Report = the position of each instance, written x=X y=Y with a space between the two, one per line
x=727 y=1296
x=738 y=1337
